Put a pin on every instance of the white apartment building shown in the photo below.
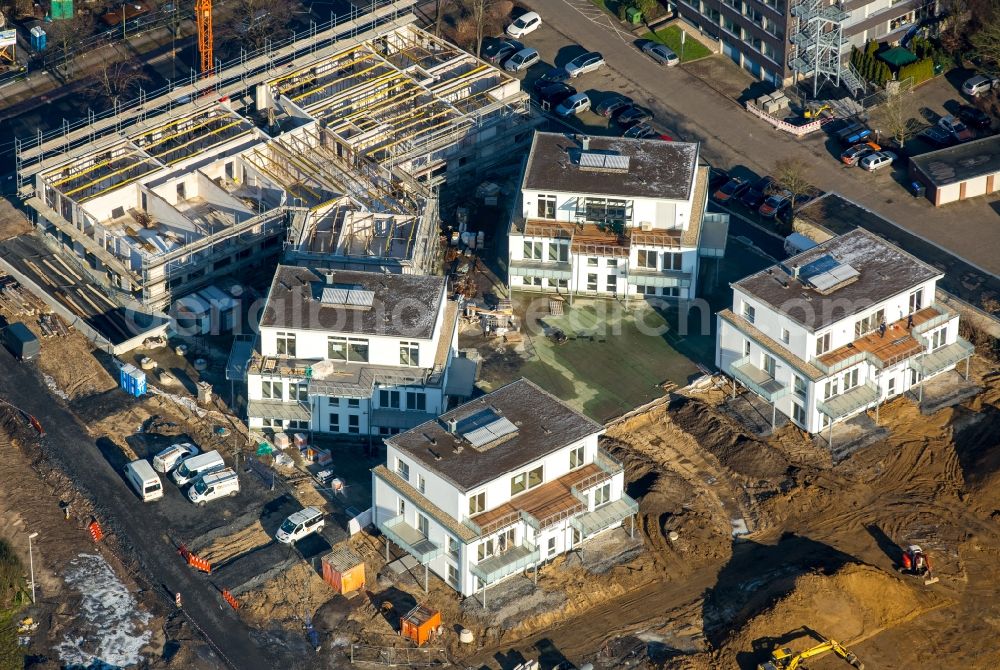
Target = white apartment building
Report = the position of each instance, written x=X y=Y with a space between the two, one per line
x=497 y=485
x=612 y=217
x=838 y=329
x=357 y=353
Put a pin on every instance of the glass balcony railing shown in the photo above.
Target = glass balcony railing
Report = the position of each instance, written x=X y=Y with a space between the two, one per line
x=757 y=380
x=850 y=401
x=412 y=541
x=513 y=560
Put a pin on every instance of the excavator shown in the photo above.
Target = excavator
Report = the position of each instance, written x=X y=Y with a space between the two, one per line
x=915 y=562
x=782 y=658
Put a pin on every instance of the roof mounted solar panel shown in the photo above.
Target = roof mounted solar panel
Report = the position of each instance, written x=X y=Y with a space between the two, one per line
x=486 y=429
x=346 y=295
x=603 y=162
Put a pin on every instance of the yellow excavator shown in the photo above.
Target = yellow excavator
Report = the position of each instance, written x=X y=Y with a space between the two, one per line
x=782 y=658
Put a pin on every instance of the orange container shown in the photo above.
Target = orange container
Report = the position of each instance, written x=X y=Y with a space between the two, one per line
x=420 y=624
x=344 y=570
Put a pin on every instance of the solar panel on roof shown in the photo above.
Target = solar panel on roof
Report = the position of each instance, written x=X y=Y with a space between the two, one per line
x=844 y=272
x=484 y=427
x=334 y=296
x=824 y=281
x=818 y=266
x=597 y=161
x=347 y=296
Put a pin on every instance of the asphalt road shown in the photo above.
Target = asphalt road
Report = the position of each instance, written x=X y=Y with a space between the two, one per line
x=121 y=512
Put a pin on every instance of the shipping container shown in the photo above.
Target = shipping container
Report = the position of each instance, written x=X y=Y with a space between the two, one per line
x=132 y=380
x=21 y=342
x=420 y=624
x=344 y=570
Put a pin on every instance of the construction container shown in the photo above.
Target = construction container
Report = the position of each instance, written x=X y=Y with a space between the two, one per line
x=61 y=9
x=223 y=308
x=344 y=570
x=192 y=315
x=21 y=342
x=38 y=38
x=132 y=380
x=420 y=624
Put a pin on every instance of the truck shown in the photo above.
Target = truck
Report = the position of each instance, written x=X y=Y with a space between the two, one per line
x=21 y=342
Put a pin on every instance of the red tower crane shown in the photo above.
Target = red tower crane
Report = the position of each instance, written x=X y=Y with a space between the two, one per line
x=203 y=16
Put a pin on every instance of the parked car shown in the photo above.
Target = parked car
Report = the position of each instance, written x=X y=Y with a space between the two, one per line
x=661 y=53
x=21 y=342
x=633 y=115
x=755 y=195
x=214 y=485
x=937 y=137
x=958 y=130
x=299 y=525
x=731 y=190
x=553 y=94
x=522 y=60
x=585 y=63
x=978 y=85
x=852 y=155
x=975 y=117
x=877 y=160
x=144 y=480
x=167 y=460
x=553 y=75
x=612 y=105
x=573 y=105
x=644 y=131
x=524 y=24
x=501 y=50
x=195 y=466
x=774 y=203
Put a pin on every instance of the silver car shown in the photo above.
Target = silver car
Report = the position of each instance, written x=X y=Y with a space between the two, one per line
x=661 y=53
x=574 y=104
x=588 y=62
x=522 y=60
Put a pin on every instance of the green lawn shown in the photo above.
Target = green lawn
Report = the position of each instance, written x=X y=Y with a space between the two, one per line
x=671 y=36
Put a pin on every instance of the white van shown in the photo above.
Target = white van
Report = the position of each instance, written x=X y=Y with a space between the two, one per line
x=166 y=460
x=300 y=524
x=144 y=480
x=214 y=485
x=195 y=466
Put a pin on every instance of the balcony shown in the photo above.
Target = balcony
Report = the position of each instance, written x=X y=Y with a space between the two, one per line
x=277 y=409
x=508 y=563
x=883 y=349
x=666 y=278
x=940 y=359
x=410 y=539
x=548 y=270
x=757 y=380
x=605 y=516
x=849 y=402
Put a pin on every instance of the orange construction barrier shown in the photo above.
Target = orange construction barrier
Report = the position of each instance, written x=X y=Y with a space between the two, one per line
x=95 y=531
x=194 y=561
x=230 y=599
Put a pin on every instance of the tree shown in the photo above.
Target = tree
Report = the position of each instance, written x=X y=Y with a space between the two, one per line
x=897 y=113
x=118 y=77
x=487 y=15
x=250 y=24
x=63 y=37
x=986 y=41
x=790 y=175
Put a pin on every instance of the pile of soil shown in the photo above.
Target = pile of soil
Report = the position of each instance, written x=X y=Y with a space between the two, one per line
x=224 y=548
x=286 y=599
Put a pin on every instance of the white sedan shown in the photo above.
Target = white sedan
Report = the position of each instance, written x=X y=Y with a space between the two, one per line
x=877 y=160
x=524 y=24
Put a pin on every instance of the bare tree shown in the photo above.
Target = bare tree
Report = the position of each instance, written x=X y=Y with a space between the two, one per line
x=986 y=41
x=488 y=16
x=897 y=113
x=252 y=23
x=64 y=35
x=118 y=77
x=790 y=175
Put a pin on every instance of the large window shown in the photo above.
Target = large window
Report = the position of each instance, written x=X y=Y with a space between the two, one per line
x=831 y=388
x=749 y=312
x=937 y=338
x=605 y=211
x=822 y=344
x=272 y=390
x=286 y=344
x=546 y=207
x=799 y=385
x=532 y=250
x=916 y=300
x=851 y=379
x=672 y=261
x=798 y=414
x=403 y=469
x=869 y=323
x=350 y=349
x=388 y=399
x=559 y=251
x=334 y=423
x=591 y=282
x=477 y=503
x=602 y=495
x=453 y=546
x=453 y=576
x=416 y=400
x=523 y=481
x=353 y=424
x=576 y=458
x=409 y=353
x=647 y=259
x=298 y=392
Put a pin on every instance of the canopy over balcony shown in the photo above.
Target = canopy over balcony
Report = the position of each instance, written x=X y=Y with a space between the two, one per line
x=411 y=540
x=511 y=561
x=757 y=380
x=605 y=516
x=849 y=402
x=941 y=359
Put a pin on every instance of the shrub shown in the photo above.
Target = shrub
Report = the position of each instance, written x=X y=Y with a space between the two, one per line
x=920 y=71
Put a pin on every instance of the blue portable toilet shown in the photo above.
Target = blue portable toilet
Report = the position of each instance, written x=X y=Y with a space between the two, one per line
x=132 y=380
x=38 y=38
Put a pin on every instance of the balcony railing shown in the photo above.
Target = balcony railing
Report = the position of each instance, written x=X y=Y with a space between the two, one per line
x=412 y=541
x=935 y=361
x=943 y=316
x=496 y=525
x=850 y=401
x=605 y=516
x=757 y=380
x=513 y=560
x=845 y=363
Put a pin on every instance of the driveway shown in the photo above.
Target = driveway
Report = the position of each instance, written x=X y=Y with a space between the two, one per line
x=690 y=107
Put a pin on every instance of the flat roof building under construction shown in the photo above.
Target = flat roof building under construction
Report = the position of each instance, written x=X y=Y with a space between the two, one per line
x=333 y=161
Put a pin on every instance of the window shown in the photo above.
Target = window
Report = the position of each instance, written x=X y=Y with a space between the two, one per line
x=297 y=424
x=403 y=469
x=891 y=388
x=612 y=263
x=822 y=344
x=746 y=347
x=421 y=484
x=602 y=495
x=400 y=506
x=534 y=477
x=272 y=390
x=798 y=414
x=353 y=424
x=453 y=546
x=416 y=400
x=334 y=402
x=577 y=538
x=532 y=250
x=353 y=403
x=477 y=503
x=453 y=576
x=937 y=339
x=612 y=283
x=605 y=211
x=769 y=364
x=423 y=525
x=409 y=353
x=800 y=386
x=552 y=546
x=486 y=549
x=647 y=259
x=299 y=391
x=559 y=251
x=180 y=192
x=576 y=458
x=831 y=388
x=388 y=399
x=916 y=300
x=272 y=423
x=334 y=423
x=785 y=335
x=505 y=541
x=851 y=379
x=672 y=261
x=560 y=283
x=591 y=262
x=546 y=207
x=531 y=281
x=286 y=344
x=749 y=313
x=525 y=480
x=350 y=349
x=731 y=26
x=868 y=324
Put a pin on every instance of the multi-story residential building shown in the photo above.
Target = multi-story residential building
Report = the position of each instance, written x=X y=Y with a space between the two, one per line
x=765 y=36
x=357 y=353
x=496 y=486
x=838 y=329
x=610 y=217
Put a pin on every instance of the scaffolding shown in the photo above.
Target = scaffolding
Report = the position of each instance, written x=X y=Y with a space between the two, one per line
x=817 y=40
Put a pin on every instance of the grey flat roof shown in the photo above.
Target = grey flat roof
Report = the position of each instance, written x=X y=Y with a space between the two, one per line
x=403 y=305
x=656 y=169
x=884 y=270
x=544 y=424
x=960 y=162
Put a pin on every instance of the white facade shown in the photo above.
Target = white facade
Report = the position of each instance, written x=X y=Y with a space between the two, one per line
x=821 y=375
